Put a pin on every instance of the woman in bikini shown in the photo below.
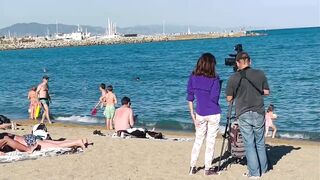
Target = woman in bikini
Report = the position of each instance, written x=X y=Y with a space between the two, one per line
x=28 y=143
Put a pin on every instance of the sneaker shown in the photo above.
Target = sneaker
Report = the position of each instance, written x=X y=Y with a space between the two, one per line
x=251 y=177
x=211 y=171
x=193 y=170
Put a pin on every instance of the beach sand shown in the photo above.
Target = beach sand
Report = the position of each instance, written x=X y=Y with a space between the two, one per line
x=115 y=158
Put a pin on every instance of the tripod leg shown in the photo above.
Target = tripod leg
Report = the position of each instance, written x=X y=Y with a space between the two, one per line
x=221 y=154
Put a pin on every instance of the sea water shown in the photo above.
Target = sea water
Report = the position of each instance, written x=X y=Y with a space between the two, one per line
x=154 y=76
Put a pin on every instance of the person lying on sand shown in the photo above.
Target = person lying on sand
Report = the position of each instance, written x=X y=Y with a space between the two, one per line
x=7 y=142
x=6 y=123
x=31 y=141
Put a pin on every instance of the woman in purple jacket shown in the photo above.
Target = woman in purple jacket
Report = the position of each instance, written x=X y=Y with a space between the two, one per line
x=204 y=86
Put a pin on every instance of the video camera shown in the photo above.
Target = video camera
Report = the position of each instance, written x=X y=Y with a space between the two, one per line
x=231 y=61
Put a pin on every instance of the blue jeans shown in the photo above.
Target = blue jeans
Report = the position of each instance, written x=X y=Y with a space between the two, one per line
x=252 y=127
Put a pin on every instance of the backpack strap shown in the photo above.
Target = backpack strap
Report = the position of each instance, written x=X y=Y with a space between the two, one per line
x=244 y=76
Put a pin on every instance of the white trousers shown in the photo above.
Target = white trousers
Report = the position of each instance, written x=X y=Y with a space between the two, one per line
x=209 y=127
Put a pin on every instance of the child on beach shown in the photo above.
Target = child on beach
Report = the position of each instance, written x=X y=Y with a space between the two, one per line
x=109 y=100
x=270 y=116
x=102 y=89
x=33 y=98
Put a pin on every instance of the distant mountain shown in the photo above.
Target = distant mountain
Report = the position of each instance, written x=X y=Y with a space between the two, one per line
x=34 y=29
x=37 y=29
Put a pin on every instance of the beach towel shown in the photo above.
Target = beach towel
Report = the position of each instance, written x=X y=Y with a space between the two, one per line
x=150 y=135
x=20 y=156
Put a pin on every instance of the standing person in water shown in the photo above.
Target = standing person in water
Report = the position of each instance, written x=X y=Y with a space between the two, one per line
x=204 y=86
x=110 y=100
x=44 y=98
x=33 y=98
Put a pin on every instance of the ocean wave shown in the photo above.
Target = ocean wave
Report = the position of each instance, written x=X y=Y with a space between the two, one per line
x=180 y=126
x=79 y=119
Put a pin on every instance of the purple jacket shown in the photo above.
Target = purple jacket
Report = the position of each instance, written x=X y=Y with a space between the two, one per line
x=207 y=92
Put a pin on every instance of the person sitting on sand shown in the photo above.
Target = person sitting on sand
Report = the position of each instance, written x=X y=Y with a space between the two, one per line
x=110 y=100
x=270 y=116
x=123 y=118
x=33 y=98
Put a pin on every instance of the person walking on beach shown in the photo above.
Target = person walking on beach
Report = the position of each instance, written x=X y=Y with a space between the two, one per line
x=270 y=116
x=123 y=118
x=33 y=98
x=109 y=100
x=204 y=86
x=247 y=87
x=44 y=98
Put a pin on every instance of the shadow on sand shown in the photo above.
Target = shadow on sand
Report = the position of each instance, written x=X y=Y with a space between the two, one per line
x=274 y=153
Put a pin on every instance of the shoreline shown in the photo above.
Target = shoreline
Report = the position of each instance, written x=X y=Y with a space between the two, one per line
x=35 y=43
x=188 y=133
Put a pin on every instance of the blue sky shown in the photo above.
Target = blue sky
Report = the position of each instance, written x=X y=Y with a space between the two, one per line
x=216 y=13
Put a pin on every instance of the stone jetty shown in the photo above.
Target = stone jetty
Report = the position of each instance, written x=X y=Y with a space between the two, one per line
x=41 y=42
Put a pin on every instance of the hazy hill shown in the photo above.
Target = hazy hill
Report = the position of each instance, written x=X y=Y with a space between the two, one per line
x=34 y=29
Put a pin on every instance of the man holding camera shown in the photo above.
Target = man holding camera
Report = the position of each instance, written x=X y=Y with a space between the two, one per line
x=247 y=87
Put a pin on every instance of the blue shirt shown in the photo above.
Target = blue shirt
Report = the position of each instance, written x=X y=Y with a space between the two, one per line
x=206 y=91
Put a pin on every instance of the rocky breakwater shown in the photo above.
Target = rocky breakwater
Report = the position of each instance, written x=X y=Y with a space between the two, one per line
x=30 y=43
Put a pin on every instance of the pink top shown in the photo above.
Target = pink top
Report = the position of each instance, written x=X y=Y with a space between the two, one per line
x=123 y=118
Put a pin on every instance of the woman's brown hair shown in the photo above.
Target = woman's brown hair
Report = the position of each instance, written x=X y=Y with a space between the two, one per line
x=206 y=66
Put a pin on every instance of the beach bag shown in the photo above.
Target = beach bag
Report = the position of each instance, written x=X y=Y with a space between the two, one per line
x=236 y=144
x=40 y=131
x=4 y=119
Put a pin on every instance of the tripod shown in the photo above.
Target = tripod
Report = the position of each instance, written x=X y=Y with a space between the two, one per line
x=226 y=132
x=235 y=151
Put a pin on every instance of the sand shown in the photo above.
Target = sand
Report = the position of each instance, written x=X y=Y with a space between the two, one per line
x=115 y=158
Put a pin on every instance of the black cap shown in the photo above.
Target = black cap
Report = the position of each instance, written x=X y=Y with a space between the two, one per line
x=242 y=55
x=45 y=77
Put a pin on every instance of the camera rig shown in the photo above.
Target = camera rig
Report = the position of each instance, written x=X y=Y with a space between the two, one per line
x=231 y=60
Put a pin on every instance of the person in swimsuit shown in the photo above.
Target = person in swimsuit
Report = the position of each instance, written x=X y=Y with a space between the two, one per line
x=44 y=98
x=7 y=142
x=33 y=98
x=270 y=116
x=110 y=100
x=29 y=142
